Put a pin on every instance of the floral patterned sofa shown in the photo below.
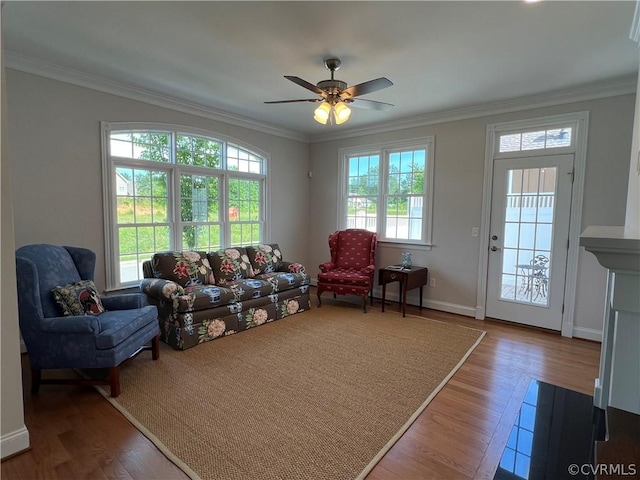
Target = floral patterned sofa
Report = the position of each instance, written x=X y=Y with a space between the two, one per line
x=202 y=296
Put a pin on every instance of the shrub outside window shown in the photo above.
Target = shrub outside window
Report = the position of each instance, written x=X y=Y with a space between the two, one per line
x=171 y=189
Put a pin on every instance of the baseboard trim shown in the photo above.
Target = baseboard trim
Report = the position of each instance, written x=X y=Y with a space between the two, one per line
x=426 y=303
x=587 y=334
x=451 y=308
x=432 y=304
x=14 y=442
x=475 y=312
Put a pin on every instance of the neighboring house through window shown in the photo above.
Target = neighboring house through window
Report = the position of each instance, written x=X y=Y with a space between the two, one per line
x=173 y=188
x=388 y=189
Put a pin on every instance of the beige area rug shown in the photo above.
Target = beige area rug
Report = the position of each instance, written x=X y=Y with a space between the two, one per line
x=319 y=395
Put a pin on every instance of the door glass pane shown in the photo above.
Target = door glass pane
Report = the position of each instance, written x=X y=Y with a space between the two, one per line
x=543 y=236
x=532 y=140
x=509 y=261
x=510 y=235
x=527 y=234
x=554 y=138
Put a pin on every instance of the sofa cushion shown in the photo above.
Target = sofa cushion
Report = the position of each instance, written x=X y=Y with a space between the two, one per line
x=78 y=298
x=264 y=258
x=185 y=268
x=344 y=277
x=118 y=325
x=211 y=296
x=284 y=280
x=292 y=267
x=230 y=264
x=201 y=297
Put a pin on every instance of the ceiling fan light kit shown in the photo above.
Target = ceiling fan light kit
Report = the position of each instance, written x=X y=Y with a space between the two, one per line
x=335 y=95
x=328 y=113
x=341 y=112
x=321 y=114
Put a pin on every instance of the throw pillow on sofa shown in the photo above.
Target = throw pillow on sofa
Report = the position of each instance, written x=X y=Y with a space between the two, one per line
x=79 y=298
x=185 y=268
x=265 y=258
x=230 y=264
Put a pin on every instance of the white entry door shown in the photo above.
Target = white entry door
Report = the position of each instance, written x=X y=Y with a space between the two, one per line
x=529 y=235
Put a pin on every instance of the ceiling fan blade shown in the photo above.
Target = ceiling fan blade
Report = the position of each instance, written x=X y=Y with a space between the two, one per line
x=313 y=100
x=368 y=87
x=371 y=104
x=305 y=84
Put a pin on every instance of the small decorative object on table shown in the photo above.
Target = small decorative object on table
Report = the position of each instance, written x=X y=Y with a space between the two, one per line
x=406 y=260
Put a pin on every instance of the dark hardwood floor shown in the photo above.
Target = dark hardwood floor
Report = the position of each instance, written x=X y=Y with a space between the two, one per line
x=76 y=434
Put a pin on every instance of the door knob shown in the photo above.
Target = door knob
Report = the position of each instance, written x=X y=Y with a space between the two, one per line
x=494 y=249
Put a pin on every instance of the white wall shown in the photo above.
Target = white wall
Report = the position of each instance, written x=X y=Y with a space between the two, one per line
x=459 y=165
x=57 y=180
x=14 y=436
x=632 y=219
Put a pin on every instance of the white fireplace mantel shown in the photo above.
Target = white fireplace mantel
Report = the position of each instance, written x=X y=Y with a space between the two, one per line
x=618 y=384
x=613 y=249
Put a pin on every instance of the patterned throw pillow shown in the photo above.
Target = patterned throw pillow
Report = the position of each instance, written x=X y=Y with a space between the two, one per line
x=230 y=264
x=265 y=258
x=185 y=268
x=80 y=298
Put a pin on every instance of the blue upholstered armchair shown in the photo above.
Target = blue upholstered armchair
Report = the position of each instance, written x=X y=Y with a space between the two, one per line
x=115 y=329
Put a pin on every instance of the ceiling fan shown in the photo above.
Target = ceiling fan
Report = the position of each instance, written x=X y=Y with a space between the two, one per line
x=335 y=95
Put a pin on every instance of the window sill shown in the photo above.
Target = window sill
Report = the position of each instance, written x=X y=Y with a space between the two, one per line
x=405 y=246
x=122 y=290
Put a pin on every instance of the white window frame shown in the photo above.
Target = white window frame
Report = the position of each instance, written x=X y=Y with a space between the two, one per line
x=519 y=127
x=174 y=170
x=383 y=150
x=579 y=121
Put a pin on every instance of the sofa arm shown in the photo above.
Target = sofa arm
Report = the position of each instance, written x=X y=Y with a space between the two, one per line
x=325 y=267
x=291 y=267
x=125 y=301
x=75 y=324
x=160 y=288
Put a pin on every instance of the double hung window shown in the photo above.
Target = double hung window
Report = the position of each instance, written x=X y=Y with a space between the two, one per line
x=388 y=189
x=175 y=189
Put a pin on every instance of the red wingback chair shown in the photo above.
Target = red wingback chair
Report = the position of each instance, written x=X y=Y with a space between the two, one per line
x=352 y=266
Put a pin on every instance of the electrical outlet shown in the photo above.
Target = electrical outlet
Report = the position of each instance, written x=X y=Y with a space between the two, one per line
x=432 y=282
x=474 y=231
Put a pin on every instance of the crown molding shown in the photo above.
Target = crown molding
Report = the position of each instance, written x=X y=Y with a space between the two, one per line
x=618 y=86
x=624 y=85
x=56 y=72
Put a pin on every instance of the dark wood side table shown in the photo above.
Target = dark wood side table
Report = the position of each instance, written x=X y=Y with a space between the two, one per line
x=408 y=277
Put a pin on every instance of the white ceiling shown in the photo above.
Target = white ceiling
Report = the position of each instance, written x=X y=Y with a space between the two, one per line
x=231 y=56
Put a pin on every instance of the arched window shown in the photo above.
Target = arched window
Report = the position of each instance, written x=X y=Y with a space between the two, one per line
x=173 y=188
